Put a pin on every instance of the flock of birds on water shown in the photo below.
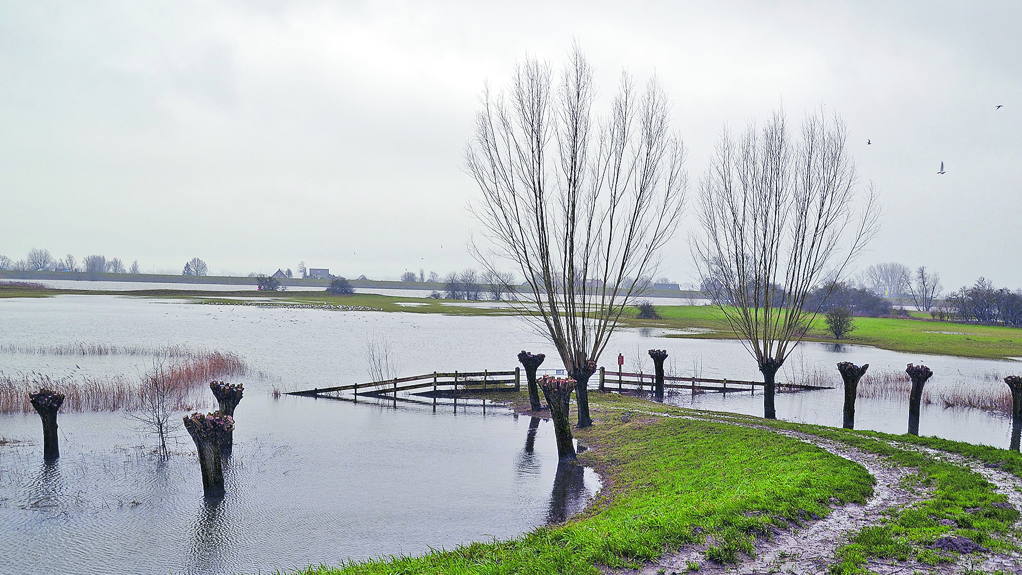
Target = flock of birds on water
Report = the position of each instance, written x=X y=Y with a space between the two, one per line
x=941 y=171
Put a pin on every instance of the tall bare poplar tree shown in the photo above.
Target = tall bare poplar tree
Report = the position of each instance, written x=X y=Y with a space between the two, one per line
x=580 y=205
x=778 y=219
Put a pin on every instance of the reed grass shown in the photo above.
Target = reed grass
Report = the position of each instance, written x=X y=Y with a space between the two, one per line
x=97 y=349
x=85 y=393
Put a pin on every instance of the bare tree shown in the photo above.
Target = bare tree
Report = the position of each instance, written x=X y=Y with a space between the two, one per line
x=889 y=279
x=924 y=289
x=433 y=277
x=134 y=269
x=94 y=266
x=380 y=359
x=469 y=280
x=499 y=283
x=159 y=395
x=302 y=270
x=774 y=215
x=576 y=203
x=71 y=263
x=39 y=260
x=5 y=263
x=195 y=267
x=115 y=266
x=452 y=286
x=408 y=276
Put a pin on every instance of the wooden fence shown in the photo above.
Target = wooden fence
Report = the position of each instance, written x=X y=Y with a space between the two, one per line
x=624 y=381
x=440 y=382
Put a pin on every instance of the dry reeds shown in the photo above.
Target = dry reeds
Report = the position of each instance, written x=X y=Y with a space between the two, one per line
x=84 y=393
x=91 y=349
x=990 y=394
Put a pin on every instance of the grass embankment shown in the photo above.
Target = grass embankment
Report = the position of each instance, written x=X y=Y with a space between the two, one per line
x=667 y=482
x=963 y=504
x=912 y=335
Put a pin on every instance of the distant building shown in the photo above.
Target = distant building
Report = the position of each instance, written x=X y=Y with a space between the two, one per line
x=279 y=275
x=667 y=286
x=319 y=273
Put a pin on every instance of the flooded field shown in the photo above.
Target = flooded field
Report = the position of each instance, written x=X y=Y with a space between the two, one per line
x=318 y=481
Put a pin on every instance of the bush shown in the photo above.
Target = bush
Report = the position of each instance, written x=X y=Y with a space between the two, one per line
x=839 y=322
x=267 y=283
x=857 y=301
x=340 y=286
x=646 y=310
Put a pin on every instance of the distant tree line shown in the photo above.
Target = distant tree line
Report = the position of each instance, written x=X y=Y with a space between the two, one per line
x=40 y=260
x=472 y=285
x=982 y=303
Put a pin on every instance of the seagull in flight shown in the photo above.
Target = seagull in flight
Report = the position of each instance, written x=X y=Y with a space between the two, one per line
x=941 y=168
x=868 y=142
x=999 y=106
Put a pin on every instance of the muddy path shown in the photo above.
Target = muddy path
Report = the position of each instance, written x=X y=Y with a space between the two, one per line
x=809 y=549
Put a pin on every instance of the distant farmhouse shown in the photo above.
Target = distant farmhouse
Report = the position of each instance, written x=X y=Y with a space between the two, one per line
x=319 y=273
x=666 y=286
x=279 y=275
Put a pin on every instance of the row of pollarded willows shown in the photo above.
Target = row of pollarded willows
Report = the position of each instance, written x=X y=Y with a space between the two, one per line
x=84 y=393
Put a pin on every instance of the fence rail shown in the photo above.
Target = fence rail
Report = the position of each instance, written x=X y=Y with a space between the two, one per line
x=440 y=381
x=625 y=381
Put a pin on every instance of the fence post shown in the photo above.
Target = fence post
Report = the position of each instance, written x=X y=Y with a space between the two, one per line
x=485 y=375
x=518 y=379
x=395 y=390
x=725 y=386
x=434 y=391
x=455 y=388
x=603 y=378
x=619 y=378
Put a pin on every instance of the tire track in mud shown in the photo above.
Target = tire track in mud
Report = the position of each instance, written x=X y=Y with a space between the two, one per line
x=809 y=549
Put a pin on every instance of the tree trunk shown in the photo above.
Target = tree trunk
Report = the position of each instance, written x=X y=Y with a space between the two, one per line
x=1015 y=384
x=581 y=375
x=46 y=403
x=209 y=432
x=769 y=367
x=851 y=374
x=919 y=374
x=558 y=397
x=531 y=363
x=530 y=437
x=658 y=356
x=228 y=396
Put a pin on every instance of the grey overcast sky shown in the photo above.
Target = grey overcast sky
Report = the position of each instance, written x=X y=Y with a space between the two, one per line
x=259 y=134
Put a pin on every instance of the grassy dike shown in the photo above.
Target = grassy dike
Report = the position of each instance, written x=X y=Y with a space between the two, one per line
x=667 y=482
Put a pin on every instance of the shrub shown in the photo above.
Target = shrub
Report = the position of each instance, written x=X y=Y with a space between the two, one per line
x=646 y=310
x=839 y=321
x=340 y=286
x=267 y=283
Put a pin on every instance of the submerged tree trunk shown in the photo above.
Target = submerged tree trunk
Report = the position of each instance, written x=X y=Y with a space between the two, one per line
x=769 y=367
x=209 y=432
x=919 y=374
x=851 y=374
x=658 y=355
x=228 y=396
x=46 y=403
x=1015 y=384
x=558 y=397
x=531 y=363
x=581 y=374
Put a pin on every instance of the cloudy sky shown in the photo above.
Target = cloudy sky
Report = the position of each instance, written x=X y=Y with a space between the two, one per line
x=259 y=134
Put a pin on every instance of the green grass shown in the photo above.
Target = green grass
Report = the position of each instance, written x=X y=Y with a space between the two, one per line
x=912 y=335
x=668 y=482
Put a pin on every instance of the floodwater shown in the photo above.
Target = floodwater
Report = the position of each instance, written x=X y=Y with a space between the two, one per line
x=320 y=481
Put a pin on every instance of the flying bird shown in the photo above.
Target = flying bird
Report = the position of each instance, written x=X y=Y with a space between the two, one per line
x=868 y=142
x=999 y=106
x=941 y=168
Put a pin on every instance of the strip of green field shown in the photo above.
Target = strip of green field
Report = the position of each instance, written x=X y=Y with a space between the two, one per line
x=910 y=335
x=667 y=482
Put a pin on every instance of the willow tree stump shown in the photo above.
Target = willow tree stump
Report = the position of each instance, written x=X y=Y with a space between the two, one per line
x=228 y=396
x=1015 y=384
x=558 y=396
x=531 y=363
x=658 y=355
x=209 y=432
x=768 y=367
x=918 y=374
x=583 y=370
x=851 y=374
x=46 y=403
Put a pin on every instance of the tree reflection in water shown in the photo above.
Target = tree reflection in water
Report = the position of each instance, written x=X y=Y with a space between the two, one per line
x=569 y=494
x=528 y=464
x=212 y=541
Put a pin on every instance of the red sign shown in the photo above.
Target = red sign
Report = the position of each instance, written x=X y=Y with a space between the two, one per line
x=620 y=359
